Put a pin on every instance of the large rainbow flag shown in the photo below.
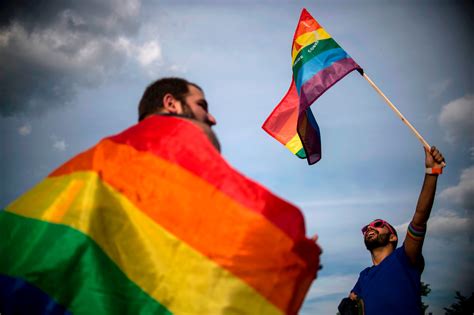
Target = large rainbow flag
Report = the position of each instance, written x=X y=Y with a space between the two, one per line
x=153 y=221
x=318 y=62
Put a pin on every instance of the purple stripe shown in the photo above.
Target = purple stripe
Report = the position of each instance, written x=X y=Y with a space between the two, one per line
x=307 y=128
x=20 y=297
x=323 y=80
x=417 y=232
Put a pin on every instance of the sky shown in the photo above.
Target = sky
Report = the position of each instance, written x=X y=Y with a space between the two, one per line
x=73 y=72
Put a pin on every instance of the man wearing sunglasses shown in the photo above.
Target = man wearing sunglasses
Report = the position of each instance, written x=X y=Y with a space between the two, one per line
x=392 y=284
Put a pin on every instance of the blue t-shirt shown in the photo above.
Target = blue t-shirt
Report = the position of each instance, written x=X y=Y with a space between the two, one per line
x=391 y=287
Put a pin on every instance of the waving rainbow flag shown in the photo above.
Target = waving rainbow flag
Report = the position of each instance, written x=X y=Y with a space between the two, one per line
x=153 y=221
x=318 y=62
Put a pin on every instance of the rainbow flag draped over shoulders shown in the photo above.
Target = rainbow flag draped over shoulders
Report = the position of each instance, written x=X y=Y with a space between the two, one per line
x=153 y=221
x=318 y=62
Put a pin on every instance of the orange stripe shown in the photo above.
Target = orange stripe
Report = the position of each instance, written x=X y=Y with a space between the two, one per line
x=183 y=143
x=188 y=206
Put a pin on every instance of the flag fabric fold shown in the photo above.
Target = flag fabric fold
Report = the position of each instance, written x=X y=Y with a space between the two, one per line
x=154 y=221
x=318 y=62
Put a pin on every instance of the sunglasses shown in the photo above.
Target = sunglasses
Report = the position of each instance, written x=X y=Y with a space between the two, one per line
x=378 y=224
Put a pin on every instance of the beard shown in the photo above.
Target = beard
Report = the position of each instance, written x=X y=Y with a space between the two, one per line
x=380 y=241
x=187 y=112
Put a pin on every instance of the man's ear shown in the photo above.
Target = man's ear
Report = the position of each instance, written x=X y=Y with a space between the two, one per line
x=171 y=105
x=393 y=238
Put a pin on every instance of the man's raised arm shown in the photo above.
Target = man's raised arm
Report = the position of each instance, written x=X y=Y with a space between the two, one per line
x=417 y=227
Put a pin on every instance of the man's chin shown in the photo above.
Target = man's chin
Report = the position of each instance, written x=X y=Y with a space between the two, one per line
x=381 y=240
x=372 y=244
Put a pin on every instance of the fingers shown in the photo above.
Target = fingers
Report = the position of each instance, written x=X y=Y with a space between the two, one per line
x=437 y=156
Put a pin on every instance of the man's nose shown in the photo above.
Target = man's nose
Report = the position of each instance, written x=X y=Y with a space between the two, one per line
x=371 y=228
x=211 y=120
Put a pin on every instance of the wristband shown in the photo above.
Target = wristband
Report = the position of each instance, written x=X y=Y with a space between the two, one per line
x=434 y=170
x=416 y=233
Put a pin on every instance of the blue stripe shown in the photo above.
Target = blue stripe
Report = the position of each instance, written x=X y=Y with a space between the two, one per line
x=19 y=297
x=318 y=63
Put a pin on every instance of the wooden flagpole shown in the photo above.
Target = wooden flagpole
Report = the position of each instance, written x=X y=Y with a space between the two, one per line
x=417 y=134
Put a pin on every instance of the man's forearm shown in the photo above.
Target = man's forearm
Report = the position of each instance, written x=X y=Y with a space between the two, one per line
x=425 y=201
x=417 y=228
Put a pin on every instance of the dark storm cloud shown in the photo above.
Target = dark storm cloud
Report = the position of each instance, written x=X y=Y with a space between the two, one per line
x=49 y=49
x=110 y=17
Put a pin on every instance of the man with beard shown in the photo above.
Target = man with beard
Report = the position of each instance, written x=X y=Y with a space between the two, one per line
x=392 y=284
x=178 y=97
x=175 y=96
x=130 y=226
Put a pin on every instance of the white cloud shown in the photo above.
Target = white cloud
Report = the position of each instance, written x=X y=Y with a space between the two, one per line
x=333 y=284
x=67 y=47
x=457 y=118
x=146 y=55
x=59 y=144
x=149 y=53
x=177 y=69
x=463 y=193
x=60 y=49
x=24 y=130
x=446 y=225
x=4 y=38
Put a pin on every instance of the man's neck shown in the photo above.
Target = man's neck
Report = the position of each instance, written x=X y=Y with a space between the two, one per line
x=379 y=254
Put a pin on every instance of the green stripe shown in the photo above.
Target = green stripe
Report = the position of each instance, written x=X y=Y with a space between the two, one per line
x=312 y=50
x=69 y=267
x=301 y=154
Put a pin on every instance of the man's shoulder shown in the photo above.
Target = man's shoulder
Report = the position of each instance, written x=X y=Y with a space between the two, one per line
x=365 y=271
x=403 y=257
x=400 y=251
x=401 y=254
x=397 y=254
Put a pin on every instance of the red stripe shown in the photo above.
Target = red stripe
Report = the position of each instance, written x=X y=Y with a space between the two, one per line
x=281 y=124
x=145 y=136
x=306 y=24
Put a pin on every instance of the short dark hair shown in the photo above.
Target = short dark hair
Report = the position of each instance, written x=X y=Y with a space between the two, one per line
x=152 y=99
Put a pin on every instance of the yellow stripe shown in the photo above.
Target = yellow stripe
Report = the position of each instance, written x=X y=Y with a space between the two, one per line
x=180 y=278
x=307 y=39
x=58 y=209
x=294 y=145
